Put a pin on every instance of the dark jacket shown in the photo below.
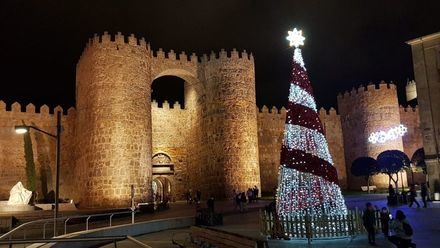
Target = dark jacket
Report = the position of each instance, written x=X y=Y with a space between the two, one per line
x=369 y=218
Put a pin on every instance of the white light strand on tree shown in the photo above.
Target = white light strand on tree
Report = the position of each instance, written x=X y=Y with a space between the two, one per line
x=300 y=96
x=310 y=188
x=316 y=143
x=391 y=134
x=307 y=179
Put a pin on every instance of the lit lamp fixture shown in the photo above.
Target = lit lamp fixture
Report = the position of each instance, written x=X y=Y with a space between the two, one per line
x=391 y=134
x=22 y=129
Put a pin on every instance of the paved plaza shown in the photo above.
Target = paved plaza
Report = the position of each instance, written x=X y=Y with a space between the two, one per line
x=424 y=221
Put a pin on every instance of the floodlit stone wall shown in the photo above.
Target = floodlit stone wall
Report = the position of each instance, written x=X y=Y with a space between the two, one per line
x=413 y=139
x=113 y=136
x=331 y=122
x=219 y=142
x=270 y=139
x=231 y=123
x=171 y=130
x=363 y=111
x=12 y=156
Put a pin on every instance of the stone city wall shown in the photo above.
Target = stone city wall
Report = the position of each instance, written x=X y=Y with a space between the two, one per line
x=113 y=97
x=12 y=155
x=230 y=117
x=170 y=136
x=270 y=138
x=331 y=122
x=413 y=139
x=363 y=111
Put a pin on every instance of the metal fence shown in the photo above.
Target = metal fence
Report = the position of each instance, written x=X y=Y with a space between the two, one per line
x=44 y=228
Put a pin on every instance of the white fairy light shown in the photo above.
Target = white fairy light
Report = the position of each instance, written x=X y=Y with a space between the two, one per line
x=300 y=96
x=310 y=188
x=294 y=137
x=391 y=134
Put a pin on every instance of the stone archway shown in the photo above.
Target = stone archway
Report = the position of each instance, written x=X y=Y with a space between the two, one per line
x=177 y=132
x=163 y=173
x=161 y=189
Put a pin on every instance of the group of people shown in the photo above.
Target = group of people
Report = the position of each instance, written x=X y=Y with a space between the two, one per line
x=242 y=198
x=411 y=194
x=399 y=226
x=190 y=198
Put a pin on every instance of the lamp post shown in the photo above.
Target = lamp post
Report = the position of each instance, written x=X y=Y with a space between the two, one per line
x=22 y=129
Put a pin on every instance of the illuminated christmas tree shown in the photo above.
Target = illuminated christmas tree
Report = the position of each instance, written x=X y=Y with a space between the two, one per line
x=308 y=181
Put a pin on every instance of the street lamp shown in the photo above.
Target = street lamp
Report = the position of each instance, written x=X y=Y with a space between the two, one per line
x=22 y=129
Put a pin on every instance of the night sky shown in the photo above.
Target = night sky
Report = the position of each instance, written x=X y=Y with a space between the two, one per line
x=347 y=42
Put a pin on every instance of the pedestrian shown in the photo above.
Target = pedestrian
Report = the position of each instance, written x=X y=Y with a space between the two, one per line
x=412 y=196
x=369 y=221
x=210 y=203
x=198 y=196
x=424 y=194
x=234 y=198
x=402 y=231
x=242 y=201
x=188 y=197
x=238 y=203
x=256 y=190
x=249 y=194
x=385 y=218
x=392 y=199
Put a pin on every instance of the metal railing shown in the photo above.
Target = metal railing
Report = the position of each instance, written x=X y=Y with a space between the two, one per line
x=114 y=239
x=44 y=222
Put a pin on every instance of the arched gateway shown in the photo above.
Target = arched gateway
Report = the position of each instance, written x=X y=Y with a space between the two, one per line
x=214 y=138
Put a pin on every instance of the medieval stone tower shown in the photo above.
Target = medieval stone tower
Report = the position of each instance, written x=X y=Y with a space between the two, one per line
x=114 y=121
x=219 y=142
x=365 y=110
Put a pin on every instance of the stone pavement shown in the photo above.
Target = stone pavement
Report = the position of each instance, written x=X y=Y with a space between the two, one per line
x=426 y=224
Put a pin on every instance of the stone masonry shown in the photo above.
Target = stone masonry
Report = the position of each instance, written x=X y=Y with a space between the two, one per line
x=218 y=143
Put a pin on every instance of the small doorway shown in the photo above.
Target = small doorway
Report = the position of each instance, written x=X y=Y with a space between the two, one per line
x=163 y=169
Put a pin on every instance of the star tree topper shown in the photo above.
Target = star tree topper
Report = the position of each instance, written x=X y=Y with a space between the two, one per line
x=295 y=38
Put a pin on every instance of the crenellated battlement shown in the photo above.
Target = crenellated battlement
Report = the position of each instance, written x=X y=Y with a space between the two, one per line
x=371 y=87
x=273 y=110
x=30 y=109
x=408 y=109
x=171 y=55
x=225 y=55
x=118 y=39
x=116 y=42
x=167 y=105
x=330 y=112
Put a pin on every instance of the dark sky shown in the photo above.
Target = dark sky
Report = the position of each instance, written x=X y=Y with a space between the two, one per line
x=347 y=42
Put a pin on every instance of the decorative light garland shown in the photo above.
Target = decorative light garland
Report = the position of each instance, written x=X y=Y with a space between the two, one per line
x=302 y=97
x=315 y=195
x=391 y=134
x=304 y=189
x=307 y=140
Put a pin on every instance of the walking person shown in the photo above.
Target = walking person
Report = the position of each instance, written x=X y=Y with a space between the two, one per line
x=234 y=199
x=238 y=202
x=385 y=218
x=369 y=221
x=242 y=201
x=249 y=195
x=198 y=196
x=256 y=191
x=210 y=203
x=402 y=231
x=412 y=196
x=424 y=194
